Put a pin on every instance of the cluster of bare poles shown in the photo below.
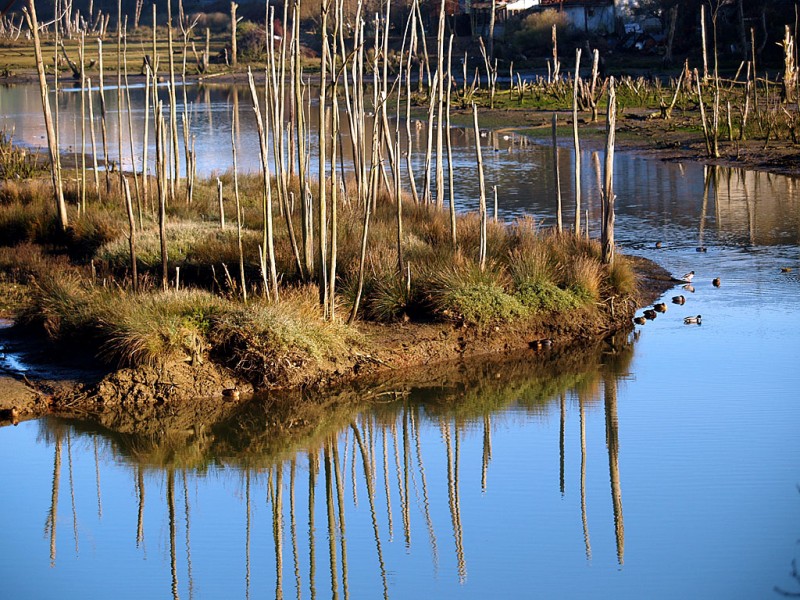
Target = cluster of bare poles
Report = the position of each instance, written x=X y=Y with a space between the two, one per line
x=348 y=62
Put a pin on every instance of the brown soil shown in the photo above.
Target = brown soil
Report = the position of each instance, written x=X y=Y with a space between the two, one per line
x=388 y=350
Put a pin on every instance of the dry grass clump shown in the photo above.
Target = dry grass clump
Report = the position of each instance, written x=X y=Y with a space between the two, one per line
x=465 y=293
x=156 y=328
x=621 y=277
x=583 y=276
x=263 y=341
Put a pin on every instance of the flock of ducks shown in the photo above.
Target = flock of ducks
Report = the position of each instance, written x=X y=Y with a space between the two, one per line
x=661 y=307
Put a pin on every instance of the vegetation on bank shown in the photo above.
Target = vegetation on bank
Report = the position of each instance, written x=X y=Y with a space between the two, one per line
x=80 y=288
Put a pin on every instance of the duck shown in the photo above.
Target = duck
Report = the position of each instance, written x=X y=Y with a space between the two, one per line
x=639 y=320
x=692 y=320
x=786 y=269
x=659 y=244
x=689 y=288
x=716 y=282
x=679 y=299
x=660 y=307
x=688 y=277
x=650 y=314
x=701 y=249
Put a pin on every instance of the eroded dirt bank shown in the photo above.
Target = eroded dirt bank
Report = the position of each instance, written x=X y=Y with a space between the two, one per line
x=388 y=350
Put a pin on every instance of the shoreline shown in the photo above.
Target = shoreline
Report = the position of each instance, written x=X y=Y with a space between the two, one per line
x=390 y=348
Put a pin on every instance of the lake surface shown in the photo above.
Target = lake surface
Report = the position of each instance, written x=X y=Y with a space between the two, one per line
x=665 y=464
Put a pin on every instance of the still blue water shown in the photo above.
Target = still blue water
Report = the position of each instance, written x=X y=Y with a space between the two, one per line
x=666 y=465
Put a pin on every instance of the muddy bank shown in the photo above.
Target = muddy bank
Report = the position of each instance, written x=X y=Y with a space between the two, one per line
x=644 y=132
x=388 y=351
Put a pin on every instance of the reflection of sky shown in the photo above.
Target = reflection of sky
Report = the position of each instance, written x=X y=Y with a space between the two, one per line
x=708 y=447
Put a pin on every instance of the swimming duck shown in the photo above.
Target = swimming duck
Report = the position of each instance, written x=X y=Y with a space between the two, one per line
x=639 y=320
x=786 y=269
x=660 y=307
x=688 y=276
x=692 y=320
x=701 y=249
x=658 y=244
x=716 y=282
x=679 y=299
x=650 y=314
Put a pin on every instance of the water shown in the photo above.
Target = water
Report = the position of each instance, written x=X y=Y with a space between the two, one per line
x=666 y=465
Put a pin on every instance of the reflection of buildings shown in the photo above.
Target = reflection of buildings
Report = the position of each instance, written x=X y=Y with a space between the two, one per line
x=325 y=493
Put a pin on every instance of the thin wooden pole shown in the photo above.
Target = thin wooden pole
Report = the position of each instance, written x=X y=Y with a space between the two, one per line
x=557 y=176
x=577 y=142
x=482 y=190
x=607 y=236
x=238 y=206
x=52 y=142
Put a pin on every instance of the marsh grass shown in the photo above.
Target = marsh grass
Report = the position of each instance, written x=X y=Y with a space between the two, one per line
x=80 y=288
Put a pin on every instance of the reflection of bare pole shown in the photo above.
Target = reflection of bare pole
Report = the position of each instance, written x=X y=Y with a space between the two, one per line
x=312 y=569
x=487 y=449
x=247 y=536
x=404 y=497
x=140 y=516
x=371 y=497
x=52 y=515
x=387 y=490
x=188 y=530
x=707 y=184
x=612 y=442
x=452 y=495
x=72 y=492
x=340 y=500
x=97 y=480
x=293 y=529
x=583 y=480
x=561 y=443
x=425 y=502
x=329 y=501
x=277 y=529
x=171 y=508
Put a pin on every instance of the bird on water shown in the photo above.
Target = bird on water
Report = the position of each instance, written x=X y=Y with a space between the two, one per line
x=688 y=276
x=692 y=320
x=679 y=299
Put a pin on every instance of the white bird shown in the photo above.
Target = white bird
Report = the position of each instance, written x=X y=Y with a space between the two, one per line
x=688 y=277
x=692 y=320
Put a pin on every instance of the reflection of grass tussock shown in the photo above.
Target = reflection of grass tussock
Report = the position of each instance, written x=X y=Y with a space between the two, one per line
x=277 y=427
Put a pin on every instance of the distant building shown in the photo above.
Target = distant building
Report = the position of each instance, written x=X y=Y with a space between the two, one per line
x=594 y=17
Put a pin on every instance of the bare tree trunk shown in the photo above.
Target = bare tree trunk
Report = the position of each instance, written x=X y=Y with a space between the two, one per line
x=607 y=235
x=322 y=207
x=789 y=84
x=234 y=23
x=131 y=234
x=557 y=176
x=576 y=142
x=703 y=41
x=238 y=205
x=161 y=178
x=451 y=189
x=52 y=143
x=556 y=64
x=440 y=108
x=482 y=190
x=267 y=193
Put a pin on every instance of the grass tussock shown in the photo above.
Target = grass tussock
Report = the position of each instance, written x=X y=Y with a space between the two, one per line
x=80 y=286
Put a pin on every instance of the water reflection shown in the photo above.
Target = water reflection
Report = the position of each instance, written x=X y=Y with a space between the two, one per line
x=385 y=442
